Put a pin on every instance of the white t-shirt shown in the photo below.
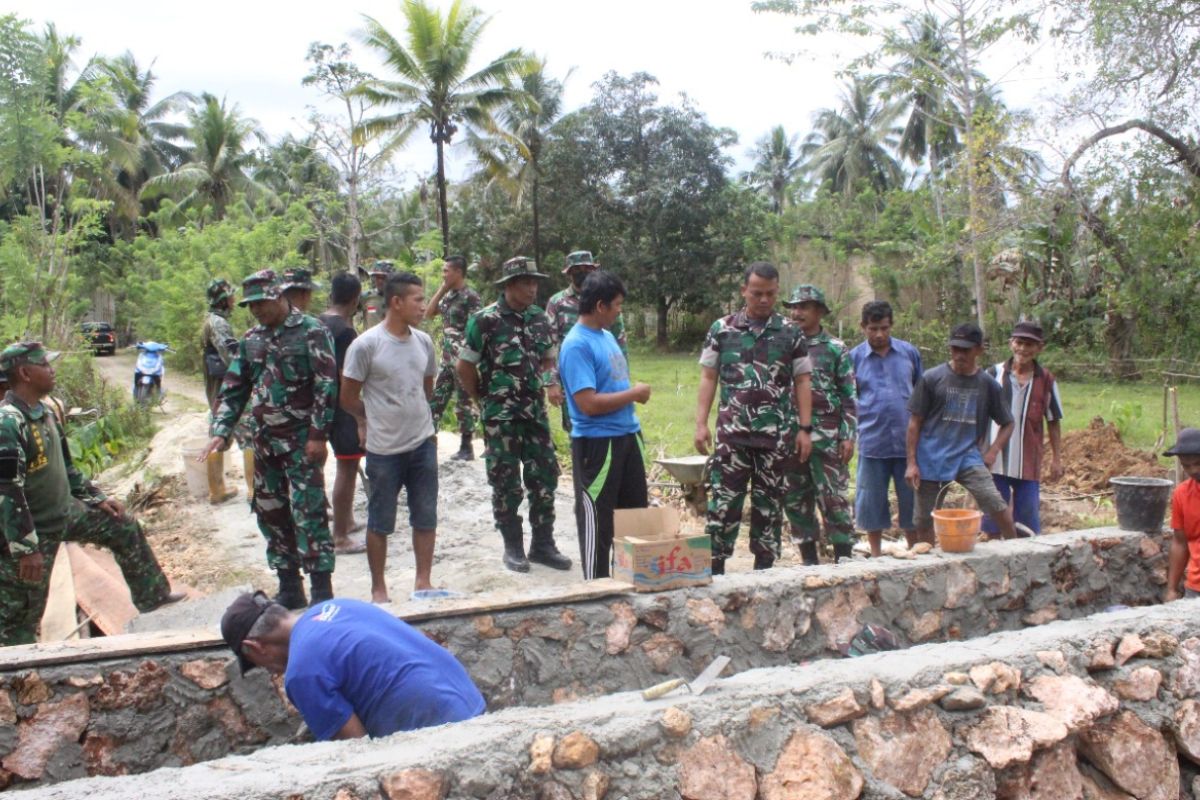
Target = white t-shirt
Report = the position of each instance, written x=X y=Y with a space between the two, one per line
x=392 y=371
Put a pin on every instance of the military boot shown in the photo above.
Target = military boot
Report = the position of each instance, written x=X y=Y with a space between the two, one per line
x=842 y=550
x=248 y=468
x=514 y=550
x=465 y=451
x=543 y=550
x=217 y=491
x=808 y=554
x=322 y=586
x=718 y=566
x=291 y=590
x=764 y=560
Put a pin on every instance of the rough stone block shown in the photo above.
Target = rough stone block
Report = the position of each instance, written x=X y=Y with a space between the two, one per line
x=51 y=727
x=413 y=784
x=1006 y=735
x=812 y=767
x=712 y=770
x=1071 y=700
x=839 y=709
x=576 y=750
x=1133 y=756
x=903 y=750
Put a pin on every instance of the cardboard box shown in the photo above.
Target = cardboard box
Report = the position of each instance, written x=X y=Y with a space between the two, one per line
x=650 y=552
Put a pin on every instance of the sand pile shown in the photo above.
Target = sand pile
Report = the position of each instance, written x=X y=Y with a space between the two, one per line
x=1096 y=453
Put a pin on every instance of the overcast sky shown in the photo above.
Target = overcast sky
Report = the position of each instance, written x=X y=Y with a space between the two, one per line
x=252 y=52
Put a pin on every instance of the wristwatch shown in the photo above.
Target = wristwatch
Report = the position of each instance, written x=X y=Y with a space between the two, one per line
x=806 y=428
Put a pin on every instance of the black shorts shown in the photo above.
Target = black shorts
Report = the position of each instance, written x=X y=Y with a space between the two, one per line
x=344 y=439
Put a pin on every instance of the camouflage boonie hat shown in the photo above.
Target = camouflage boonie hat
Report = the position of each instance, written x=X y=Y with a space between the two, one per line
x=218 y=289
x=382 y=267
x=807 y=293
x=17 y=355
x=297 y=278
x=262 y=285
x=580 y=258
x=518 y=267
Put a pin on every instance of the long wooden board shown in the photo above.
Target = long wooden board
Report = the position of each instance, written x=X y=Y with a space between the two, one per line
x=164 y=642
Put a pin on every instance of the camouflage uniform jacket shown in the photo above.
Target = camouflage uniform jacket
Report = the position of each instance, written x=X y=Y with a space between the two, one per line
x=289 y=377
x=834 y=397
x=563 y=311
x=756 y=370
x=509 y=349
x=456 y=308
x=26 y=433
x=218 y=336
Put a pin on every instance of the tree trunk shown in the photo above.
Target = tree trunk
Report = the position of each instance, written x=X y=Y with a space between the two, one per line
x=441 y=186
x=537 y=228
x=660 y=333
x=355 y=225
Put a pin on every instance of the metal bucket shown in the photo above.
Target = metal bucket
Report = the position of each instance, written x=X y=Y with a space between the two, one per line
x=1141 y=502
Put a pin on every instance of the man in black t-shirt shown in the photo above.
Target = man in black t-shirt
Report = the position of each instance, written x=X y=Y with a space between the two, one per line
x=344 y=292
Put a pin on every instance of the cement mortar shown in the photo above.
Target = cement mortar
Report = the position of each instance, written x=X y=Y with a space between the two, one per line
x=755 y=712
x=182 y=708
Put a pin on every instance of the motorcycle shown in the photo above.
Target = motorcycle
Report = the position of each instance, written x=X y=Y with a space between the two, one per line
x=148 y=372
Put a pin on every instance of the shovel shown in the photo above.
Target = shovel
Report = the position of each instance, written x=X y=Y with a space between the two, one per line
x=697 y=686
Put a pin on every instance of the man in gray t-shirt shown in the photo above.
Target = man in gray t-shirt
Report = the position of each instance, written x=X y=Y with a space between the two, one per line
x=387 y=382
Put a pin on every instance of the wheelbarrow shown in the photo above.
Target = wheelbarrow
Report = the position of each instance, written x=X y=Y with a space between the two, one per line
x=691 y=473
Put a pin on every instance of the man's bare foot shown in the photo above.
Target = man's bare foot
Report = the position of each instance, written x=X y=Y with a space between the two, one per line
x=420 y=586
x=356 y=527
x=380 y=596
x=346 y=546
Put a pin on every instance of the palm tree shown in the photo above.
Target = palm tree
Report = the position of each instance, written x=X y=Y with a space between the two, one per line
x=147 y=142
x=218 y=158
x=855 y=143
x=433 y=85
x=920 y=79
x=511 y=157
x=777 y=164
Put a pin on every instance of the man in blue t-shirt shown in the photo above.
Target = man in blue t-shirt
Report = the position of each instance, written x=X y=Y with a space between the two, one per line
x=606 y=440
x=351 y=668
x=952 y=408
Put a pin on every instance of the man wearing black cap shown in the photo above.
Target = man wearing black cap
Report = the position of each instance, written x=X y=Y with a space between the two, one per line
x=1185 y=519
x=951 y=406
x=1031 y=394
x=350 y=668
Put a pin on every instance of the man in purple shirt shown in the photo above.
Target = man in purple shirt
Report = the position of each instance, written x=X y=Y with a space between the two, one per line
x=885 y=371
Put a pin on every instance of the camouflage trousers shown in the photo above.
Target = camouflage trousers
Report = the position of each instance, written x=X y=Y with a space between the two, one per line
x=446 y=386
x=293 y=515
x=819 y=484
x=22 y=604
x=733 y=468
x=516 y=451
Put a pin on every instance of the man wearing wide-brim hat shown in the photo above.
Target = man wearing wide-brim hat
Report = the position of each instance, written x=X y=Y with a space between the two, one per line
x=1184 y=564
x=45 y=500
x=563 y=310
x=285 y=374
x=372 y=301
x=297 y=287
x=506 y=364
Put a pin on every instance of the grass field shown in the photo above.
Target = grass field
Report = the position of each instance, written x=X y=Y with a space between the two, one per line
x=667 y=419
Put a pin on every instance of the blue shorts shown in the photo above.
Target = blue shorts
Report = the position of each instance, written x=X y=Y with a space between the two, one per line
x=872 y=511
x=1026 y=500
x=417 y=473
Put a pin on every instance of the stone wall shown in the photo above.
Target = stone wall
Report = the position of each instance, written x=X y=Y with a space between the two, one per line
x=1099 y=708
x=136 y=714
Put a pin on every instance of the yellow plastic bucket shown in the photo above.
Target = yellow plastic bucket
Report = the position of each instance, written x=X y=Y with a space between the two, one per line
x=957 y=528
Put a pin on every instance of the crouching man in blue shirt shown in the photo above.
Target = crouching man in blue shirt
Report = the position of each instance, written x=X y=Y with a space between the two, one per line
x=351 y=669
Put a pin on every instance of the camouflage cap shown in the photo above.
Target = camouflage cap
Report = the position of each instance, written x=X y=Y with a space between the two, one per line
x=218 y=290
x=16 y=355
x=580 y=258
x=807 y=293
x=262 y=285
x=518 y=267
x=382 y=267
x=297 y=278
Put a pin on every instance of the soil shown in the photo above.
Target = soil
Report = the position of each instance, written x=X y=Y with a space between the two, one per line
x=1096 y=453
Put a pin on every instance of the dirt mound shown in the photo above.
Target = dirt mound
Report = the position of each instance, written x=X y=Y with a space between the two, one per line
x=1093 y=455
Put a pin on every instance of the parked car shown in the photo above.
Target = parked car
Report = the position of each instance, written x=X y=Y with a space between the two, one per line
x=101 y=336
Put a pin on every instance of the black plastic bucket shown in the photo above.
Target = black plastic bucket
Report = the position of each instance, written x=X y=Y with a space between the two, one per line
x=1141 y=502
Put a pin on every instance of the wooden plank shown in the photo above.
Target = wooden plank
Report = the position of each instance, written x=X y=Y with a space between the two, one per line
x=164 y=642
x=59 y=619
x=100 y=589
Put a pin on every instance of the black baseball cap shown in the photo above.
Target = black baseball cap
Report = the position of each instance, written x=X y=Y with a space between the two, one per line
x=239 y=619
x=966 y=335
x=1028 y=330
x=1188 y=443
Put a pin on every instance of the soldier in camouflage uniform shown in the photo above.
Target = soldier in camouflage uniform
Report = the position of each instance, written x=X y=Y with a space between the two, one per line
x=219 y=345
x=297 y=286
x=372 y=302
x=45 y=500
x=822 y=482
x=286 y=372
x=563 y=311
x=759 y=362
x=456 y=302
x=505 y=364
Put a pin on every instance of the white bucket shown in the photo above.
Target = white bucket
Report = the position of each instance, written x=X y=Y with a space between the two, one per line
x=195 y=473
